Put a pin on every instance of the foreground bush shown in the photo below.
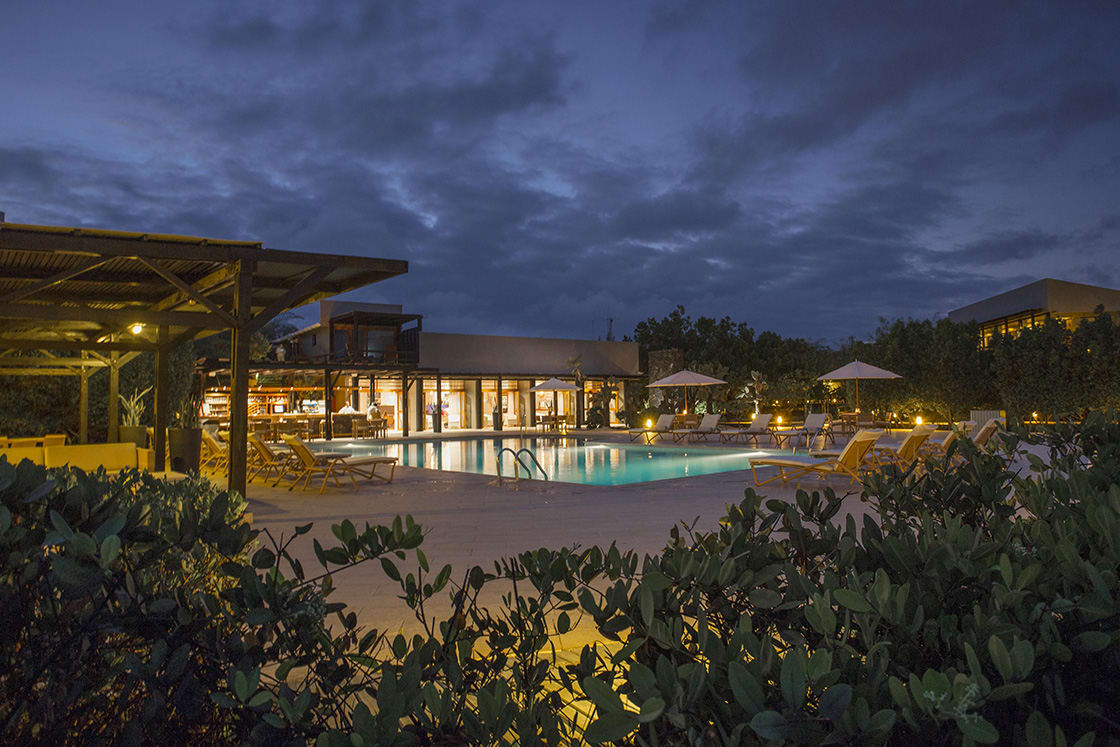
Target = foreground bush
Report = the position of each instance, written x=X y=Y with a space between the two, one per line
x=978 y=605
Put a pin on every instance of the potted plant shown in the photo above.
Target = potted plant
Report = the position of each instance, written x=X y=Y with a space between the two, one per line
x=185 y=438
x=131 y=431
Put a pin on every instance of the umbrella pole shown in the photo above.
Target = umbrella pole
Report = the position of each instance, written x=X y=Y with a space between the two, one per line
x=857 y=395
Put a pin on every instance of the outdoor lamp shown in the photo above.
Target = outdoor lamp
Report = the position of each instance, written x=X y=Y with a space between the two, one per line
x=918 y=420
x=779 y=420
x=136 y=328
x=649 y=423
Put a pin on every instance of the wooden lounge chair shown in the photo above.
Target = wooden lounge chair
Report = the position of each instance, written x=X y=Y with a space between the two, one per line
x=215 y=454
x=709 y=426
x=852 y=458
x=307 y=464
x=814 y=425
x=264 y=459
x=663 y=425
x=759 y=427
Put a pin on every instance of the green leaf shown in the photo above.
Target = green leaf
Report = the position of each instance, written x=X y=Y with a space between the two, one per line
x=390 y=569
x=977 y=729
x=1001 y=658
x=601 y=694
x=1038 y=731
x=645 y=602
x=1012 y=690
x=610 y=727
x=656 y=581
x=61 y=526
x=746 y=689
x=260 y=699
x=793 y=679
x=110 y=549
x=834 y=701
x=651 y=709
x=769 y=725
x=1091 y=641
x=850 y=599
x=764 y=598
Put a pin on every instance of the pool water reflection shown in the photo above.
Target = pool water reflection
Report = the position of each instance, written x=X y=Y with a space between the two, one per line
x=575 y=460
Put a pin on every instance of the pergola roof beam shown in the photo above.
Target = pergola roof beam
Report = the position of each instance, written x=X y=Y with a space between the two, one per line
x=53 y=280
x=292 y=297
x=32 y=362
x=190 y=291
x=53 y=344
x=77 y=313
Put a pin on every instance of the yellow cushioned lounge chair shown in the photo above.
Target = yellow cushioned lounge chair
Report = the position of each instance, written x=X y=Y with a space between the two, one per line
x=307 y=464
x=852 y=458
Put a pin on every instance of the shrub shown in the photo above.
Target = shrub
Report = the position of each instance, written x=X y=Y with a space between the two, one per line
x=980 y=604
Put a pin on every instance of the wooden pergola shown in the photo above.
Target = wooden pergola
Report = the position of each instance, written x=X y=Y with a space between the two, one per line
x=89 y=299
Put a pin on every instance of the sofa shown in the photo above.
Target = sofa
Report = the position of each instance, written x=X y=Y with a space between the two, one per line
x=113 y=457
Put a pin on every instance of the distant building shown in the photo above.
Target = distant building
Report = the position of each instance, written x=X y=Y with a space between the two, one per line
x=362 y=353
x=1022 y=308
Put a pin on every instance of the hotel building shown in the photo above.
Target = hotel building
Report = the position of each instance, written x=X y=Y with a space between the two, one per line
x=358 y=353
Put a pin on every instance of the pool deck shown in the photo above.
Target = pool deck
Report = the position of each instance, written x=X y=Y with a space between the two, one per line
x=470 y=520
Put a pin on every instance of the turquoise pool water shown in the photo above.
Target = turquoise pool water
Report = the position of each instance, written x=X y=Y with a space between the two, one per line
x=576 y=460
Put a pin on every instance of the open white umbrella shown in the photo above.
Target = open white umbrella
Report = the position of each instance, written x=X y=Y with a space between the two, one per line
x=554 y=385
x=685 y=378
x=855 y=371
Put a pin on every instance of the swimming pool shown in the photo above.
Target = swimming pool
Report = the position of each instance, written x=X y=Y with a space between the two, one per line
x=575 y=460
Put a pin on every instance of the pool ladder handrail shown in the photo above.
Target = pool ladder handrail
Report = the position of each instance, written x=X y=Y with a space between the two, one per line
x=517 y=457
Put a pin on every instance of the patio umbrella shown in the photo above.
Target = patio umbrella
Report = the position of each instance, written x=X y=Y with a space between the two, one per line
x=554 y=385
x=855 y=371
x=685 y=378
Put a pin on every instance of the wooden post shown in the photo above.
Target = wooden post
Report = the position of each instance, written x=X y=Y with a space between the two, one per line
x=478 y=421
x=497 y=414
x=404 y=404
x=355 y=390
x=114 y=397
x=159 y=421
x=328 y=430
x=418 y=403
x=579 y=408
x=239 y=384
x=83 y=404
x=437 y=424
x=532 y=404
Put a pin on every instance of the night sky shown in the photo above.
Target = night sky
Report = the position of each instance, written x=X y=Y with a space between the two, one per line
x=802 y=167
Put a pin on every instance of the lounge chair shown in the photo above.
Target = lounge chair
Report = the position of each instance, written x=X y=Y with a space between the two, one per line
x=307 y=464
x=264 y=459
x=852 y=458
x=215 y=454
x=709 y=426
x=906 y=452
x=759 y=427
x=984 y=435
x=940 y=448
x=815 y=424
x=663 y=425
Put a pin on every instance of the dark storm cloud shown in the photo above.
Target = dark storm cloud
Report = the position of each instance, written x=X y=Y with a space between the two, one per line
x=672 y=213
x=1004 y=247
x=802 y=167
